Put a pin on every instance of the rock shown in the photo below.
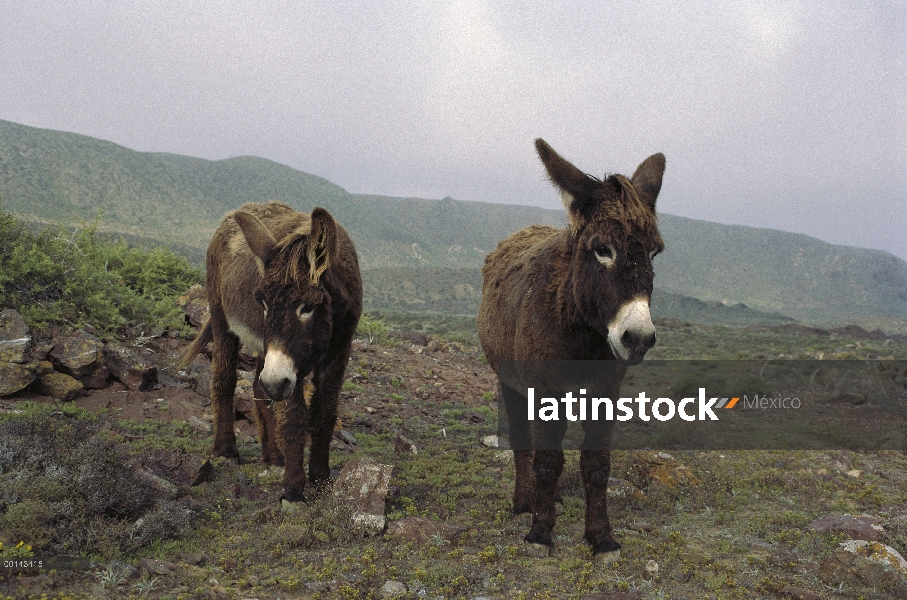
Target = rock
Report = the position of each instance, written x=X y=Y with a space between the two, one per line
x=364 y=483
x=404 y=445
x=79 y=354
x=14 y=338
x=127 y=571
x=862 y=563
x=16 y=376
x=422 y=531
x=347 y=438
x=651 y=568
x=195 y=304
x=60 y=386
x=491 y=441
x=156 y=567
x=183 y=470
x=798 y=593
x=659 y=468
x=391 y=589
x=131 y=366
x=859 y=528
x=158 y=483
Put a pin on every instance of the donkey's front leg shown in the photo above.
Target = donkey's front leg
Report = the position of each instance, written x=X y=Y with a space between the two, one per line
x=595 y=466
x=267 y=426
x=323 y=419
x=547 y=466
x=292 y=422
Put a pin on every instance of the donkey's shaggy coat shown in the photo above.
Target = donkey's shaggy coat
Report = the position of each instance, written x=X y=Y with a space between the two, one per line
x=287 y=286
x=580 y=293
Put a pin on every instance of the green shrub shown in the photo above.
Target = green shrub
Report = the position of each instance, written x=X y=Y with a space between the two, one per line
x=50 y=274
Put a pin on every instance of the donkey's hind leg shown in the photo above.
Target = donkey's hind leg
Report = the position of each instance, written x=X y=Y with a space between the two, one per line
x=223 y=386
x=521 y=443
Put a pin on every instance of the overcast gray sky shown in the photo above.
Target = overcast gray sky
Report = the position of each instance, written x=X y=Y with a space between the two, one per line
x=789 y=115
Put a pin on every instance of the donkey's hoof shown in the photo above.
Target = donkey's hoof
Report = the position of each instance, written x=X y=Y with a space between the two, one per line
x=538 y=550
x=231 y=455
x=606 y=558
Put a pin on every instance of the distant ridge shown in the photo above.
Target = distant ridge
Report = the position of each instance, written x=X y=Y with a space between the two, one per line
x=179 y=200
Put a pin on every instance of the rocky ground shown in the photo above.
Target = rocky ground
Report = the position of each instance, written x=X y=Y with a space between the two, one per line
x=416 y=434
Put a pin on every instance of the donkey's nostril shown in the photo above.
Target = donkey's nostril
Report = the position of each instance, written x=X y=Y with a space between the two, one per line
x=279 y=390
x=634 y=340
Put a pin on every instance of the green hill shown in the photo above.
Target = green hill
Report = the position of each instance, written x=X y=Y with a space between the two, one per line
x=179 y=200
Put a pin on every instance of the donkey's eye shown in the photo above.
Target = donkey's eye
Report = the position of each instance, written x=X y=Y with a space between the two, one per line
x=605 y=254
x=304 y=312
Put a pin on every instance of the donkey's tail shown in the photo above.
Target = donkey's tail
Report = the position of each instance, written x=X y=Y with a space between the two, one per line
x=197 y=346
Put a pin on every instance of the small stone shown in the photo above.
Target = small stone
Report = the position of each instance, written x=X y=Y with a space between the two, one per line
x=403 y=445
x=651 y=567
x=855 y=473
x=122 y=568
x=491 y=441
x=347 y=438
x=391 y=589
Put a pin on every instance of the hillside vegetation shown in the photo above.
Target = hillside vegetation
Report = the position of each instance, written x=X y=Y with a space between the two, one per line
x=179 y=200
x=53 y=275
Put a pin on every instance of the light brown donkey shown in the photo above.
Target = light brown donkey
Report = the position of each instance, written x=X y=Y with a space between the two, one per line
x=580 y=293
x=287 y=286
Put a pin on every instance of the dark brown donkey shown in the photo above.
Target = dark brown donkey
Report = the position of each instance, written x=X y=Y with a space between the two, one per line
x=287 y=286
x=580 y=293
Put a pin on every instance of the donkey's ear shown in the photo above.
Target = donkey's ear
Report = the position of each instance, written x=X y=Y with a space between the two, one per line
x=647 y=178
x=322 y=244
x=259 y=239
x=576 y=187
